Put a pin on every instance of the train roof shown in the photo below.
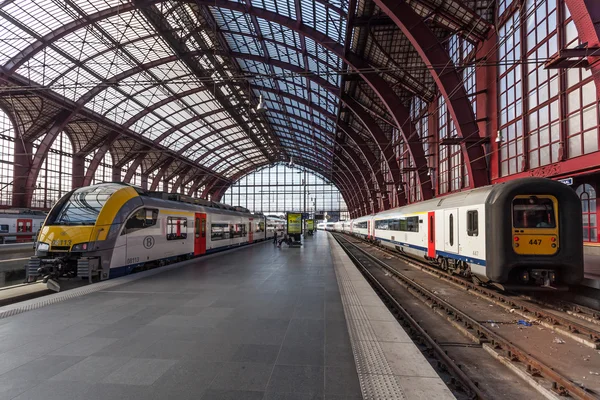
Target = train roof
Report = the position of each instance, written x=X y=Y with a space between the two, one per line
x=474 y=196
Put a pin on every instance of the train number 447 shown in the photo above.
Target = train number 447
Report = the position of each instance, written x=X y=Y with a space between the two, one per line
x=535 y=241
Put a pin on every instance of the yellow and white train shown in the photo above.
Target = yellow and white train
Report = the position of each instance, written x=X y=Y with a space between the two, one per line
x=109 y=230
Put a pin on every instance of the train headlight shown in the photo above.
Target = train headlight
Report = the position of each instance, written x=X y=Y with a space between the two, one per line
x=80 y=247
x=43 y=246
x=516 y=239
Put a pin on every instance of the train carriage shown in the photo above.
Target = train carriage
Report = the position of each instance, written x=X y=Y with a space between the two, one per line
x=526 y=231
x=108 y=230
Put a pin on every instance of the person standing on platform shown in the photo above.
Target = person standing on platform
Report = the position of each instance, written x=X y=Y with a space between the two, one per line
x=275 y=237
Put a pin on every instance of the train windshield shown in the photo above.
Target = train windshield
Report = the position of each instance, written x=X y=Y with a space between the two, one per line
x=84 y=205
x=533 y=212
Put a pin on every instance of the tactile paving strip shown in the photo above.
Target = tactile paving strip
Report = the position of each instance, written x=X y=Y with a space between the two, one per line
x=374 y=373
x=44 y=301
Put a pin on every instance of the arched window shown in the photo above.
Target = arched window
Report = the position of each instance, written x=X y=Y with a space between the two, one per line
x=7 y=159
x=587 y=194
x=56 y=173
x=280 y=188
x=104 y=171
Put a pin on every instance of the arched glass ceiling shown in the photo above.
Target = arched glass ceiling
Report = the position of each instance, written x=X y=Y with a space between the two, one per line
x=277 y=189
x=184 y=75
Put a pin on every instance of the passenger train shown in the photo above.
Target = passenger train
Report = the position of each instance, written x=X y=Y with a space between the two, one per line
x=20 y=225
x=111 y=229
x=525 y=231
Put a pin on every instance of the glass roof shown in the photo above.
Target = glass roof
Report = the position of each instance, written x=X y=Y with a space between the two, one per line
x=107 y=56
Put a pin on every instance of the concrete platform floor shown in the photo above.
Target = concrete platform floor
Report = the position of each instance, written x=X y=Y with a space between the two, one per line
x=256 y=323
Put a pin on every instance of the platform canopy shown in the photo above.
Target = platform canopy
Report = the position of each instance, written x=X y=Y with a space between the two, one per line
x=174 y=85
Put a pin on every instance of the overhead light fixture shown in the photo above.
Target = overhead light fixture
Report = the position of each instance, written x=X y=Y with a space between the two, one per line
x=499 y=138
x=261 y=107
x=291 y=164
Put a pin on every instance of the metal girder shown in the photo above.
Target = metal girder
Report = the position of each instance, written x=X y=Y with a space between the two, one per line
x=384 y=144
x=369 y=156
x=348 y=161
x=319 y=37
x=176 y=97
x=161 y=173
x=134 y=165
x=448 y=81
x=42 y=151
x=180 y=178
x=586 y=16
x=160 y=24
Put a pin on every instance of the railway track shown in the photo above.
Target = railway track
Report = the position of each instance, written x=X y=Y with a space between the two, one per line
x=470 y=320
x=576 y=321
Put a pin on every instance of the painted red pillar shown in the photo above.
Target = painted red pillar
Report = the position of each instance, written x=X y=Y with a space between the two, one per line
x=487 y=100
x=22 y=159
x=78 y=170
x=586 y=16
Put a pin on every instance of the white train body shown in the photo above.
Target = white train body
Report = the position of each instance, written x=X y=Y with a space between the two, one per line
x=21 y=222
x=521 y=230
x=455 y=243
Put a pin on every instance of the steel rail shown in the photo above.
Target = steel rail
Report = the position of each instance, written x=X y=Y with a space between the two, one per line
x=591 y=337
x=560 y=384
x=466 y=383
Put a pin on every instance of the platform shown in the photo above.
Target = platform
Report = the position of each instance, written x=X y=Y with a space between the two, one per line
x=255 y=323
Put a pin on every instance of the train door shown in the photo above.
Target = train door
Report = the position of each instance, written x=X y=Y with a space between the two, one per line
x=200 y=234
x=431 y=234
x=451 y=230
x=368 y=229
x=24 y=226
x=250 y=230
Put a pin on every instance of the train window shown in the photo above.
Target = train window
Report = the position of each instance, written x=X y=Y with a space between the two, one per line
x=197 y=227
x=472 y=223
x=4 y=228
x=176 y=228
x=219 y=231
x=141 y=219
x=361 y=225
x=431 y=237
x=238 y=230
x=402 y=224
x=533 y=212
x=451 y=226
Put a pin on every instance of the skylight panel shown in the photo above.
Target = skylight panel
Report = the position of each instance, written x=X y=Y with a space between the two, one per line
x=285 y=8
x=123 y=111
x=74 y=84
x=41 y=16
x=149 y=49
x=155 y=130
x=90 y=7
x=195 y=152
x=12 y=40
x=44 y=66
x=105 y=100
x=109 y=64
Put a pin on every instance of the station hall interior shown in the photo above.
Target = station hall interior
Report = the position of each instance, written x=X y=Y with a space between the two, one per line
x=299 y=199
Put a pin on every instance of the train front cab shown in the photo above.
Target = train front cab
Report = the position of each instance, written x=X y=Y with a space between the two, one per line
x=534 y=233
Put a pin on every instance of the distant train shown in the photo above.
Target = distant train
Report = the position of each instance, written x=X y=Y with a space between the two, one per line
x=526 y=231
x=111 y=229
x=20 y=225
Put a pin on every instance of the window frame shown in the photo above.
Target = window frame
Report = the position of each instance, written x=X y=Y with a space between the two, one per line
x=473 y=222
x=181 y=223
